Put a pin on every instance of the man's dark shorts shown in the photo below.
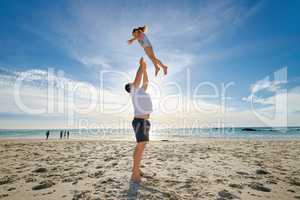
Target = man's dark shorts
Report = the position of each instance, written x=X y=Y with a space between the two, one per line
x=141 y=128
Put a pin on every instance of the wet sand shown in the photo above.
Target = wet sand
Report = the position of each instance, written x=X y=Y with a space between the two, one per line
x=201 y=169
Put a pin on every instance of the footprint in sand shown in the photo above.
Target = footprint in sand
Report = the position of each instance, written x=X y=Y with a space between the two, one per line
x=3 y=195
x=224 y=194
x=294 y=181
x=7 y=179
x=43 y=185
x=40 y=170
x=238 y=186
x=81 y=195
x=259 y=187
x=262 y=172
x=11 y=189
x=97 y=174
x=29 y=178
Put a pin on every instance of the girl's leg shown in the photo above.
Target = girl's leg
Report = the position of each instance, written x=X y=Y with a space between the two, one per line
x=165 y=68
x=155 y=61
x=151 y=55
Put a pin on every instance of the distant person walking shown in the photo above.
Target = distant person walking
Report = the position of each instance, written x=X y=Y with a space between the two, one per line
x=47 y=134
x=68 y=134
x=65 y=133
x=61 y=134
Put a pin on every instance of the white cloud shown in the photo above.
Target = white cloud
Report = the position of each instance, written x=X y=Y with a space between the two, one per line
x=96 y=37
x=278 y=86
x=109 y=105
x=96 y=63
x=275 y=102
x=177 y=111
x=55 y=94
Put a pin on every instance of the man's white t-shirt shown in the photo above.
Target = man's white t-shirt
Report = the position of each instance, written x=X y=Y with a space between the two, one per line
x=142 y=103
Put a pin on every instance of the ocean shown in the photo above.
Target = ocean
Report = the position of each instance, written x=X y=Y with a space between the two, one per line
x=179 y=133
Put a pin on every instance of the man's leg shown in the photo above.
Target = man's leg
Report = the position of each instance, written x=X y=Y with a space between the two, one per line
x=137 y=157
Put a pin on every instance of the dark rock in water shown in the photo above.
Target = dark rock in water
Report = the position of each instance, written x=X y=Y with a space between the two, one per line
x=40 y=170
x=248 y=129
x=227 y=195
x=259 y=187
x=43 y=185
x=262 y=172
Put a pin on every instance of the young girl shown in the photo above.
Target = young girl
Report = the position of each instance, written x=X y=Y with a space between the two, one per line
x=139 y=35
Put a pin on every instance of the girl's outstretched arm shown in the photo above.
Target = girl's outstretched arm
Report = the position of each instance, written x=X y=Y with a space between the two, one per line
x=130 y=41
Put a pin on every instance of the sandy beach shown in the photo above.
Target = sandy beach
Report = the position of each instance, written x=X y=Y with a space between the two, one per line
x=200 y=169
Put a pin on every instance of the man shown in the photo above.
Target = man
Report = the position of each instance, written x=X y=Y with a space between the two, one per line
x=142 y=105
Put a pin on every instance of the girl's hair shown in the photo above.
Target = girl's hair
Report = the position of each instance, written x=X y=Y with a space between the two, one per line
x=141 y=28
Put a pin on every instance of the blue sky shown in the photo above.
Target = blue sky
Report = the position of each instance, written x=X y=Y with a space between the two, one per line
x=216 y=41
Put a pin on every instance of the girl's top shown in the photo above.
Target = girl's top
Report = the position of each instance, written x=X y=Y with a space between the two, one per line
x=144 y=41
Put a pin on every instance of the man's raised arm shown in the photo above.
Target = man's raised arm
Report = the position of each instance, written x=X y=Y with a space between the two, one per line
x=139 y=74
x=145 y=76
